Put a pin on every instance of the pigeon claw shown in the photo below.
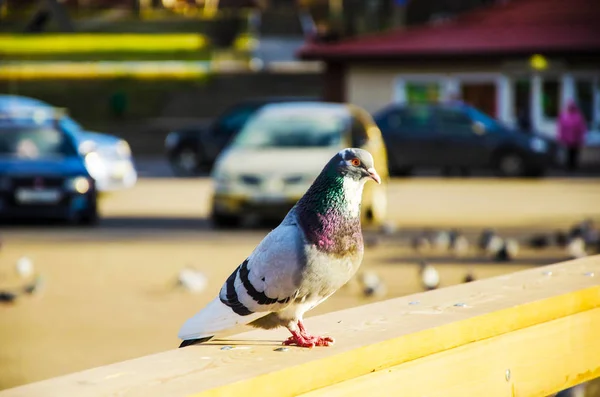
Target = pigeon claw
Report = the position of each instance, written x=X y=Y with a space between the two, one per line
x=305 y=340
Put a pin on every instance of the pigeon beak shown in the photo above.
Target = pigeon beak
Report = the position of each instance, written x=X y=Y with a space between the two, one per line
x=374 y=175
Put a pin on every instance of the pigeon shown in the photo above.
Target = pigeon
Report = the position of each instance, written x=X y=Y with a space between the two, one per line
x=561 y=238
x=192 y=280
x=485 y=239
x=469 y=277
x=508 y=250
x=34 y=286
x=459 y=245
x=313 y=252
x=389 y=228
x=430 y=278
x=576 y=248
x=24 y=267
x=539 y=241
x=420 y=242
x=441 y=240
x=371 y=284
x=7 y=297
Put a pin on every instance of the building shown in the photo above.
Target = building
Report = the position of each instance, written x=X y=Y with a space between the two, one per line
x=518 y=60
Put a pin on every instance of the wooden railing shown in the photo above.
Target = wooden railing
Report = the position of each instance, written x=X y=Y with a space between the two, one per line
x=530 y=333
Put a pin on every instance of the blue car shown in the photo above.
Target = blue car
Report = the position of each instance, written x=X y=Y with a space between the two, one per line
x=107 y=157
x=42 y=174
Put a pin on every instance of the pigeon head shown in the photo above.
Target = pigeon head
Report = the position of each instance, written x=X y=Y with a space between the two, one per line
x=329 y=212
x=356 y=164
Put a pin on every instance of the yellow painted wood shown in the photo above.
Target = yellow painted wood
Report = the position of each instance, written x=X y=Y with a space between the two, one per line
x=99 y=42
x=369 y=338
x=534 y=361
x=147 y=70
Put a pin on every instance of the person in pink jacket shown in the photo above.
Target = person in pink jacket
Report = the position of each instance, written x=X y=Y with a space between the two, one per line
x=571 y=133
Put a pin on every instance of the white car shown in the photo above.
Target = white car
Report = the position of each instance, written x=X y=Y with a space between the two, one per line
x=277 y=155
x=109 y=161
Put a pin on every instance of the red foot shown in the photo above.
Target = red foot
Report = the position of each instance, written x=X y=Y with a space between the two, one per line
x=302 y=338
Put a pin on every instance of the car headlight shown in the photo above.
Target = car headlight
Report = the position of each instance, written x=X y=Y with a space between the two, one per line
x=538 y=145
x=171 y=140
x=123 y=149
x=79 y=184
x=222 y=179
x=95 y=165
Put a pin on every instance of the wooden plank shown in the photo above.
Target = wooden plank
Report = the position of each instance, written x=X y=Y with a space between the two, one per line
x=535 y=361
x=369 y=338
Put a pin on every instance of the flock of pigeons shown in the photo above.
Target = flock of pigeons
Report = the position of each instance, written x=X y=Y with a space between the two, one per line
x=580 y=240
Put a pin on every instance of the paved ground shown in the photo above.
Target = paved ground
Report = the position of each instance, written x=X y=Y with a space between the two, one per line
x=109 y=291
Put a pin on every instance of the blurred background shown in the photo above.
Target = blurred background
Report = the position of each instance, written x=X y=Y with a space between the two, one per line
x=147 y=146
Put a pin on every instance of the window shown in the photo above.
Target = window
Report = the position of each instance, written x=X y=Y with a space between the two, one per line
x=454 y=121
x=585 y=99
x=35 y=142
x=550 y=98
x=417 y=119
x=419 y=93
x=234 y=119
x=277 y=128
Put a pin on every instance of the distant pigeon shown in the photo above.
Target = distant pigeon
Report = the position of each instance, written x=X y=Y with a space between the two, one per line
x=485 y=238
x=508 y=251
x=34 y=286
x=192 y=280
x=459 y=245
x=29 y=288
x=441 y=240
x=389 y=228
x=469 y=277
x=315 y=250
x=24 y=267
x=430 y=278
x=495 y=245
x=576 y=248
x=560 y=238
x=371 y=284
x=539 y=241
x=420 y=242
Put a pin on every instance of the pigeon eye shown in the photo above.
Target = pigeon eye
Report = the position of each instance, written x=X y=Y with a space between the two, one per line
x=355 y=162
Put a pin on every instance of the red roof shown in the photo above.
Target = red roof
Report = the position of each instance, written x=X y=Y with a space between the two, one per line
x=516 y=27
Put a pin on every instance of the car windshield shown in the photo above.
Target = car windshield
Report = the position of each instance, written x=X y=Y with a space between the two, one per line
x=490 y=123
x=34 y=143
x=281 y=129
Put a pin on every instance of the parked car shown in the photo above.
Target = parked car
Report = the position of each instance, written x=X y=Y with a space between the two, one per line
x=194 y=149
x=277 y=155
x=107 y=157
x=42 y=174
x=458 y=135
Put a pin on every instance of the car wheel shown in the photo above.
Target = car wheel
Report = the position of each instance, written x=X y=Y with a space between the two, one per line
x=185 y=162
x=511 y=164
x=222 y=221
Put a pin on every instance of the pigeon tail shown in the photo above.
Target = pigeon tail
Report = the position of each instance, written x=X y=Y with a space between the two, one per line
x=214 y=318
x=190 y=342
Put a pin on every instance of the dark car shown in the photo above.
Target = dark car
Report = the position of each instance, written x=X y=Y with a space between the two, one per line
x=460 y=136
x=194 y=149
x=42 y=174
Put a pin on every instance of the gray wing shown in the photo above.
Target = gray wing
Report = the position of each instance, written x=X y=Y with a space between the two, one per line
x=269 y=279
